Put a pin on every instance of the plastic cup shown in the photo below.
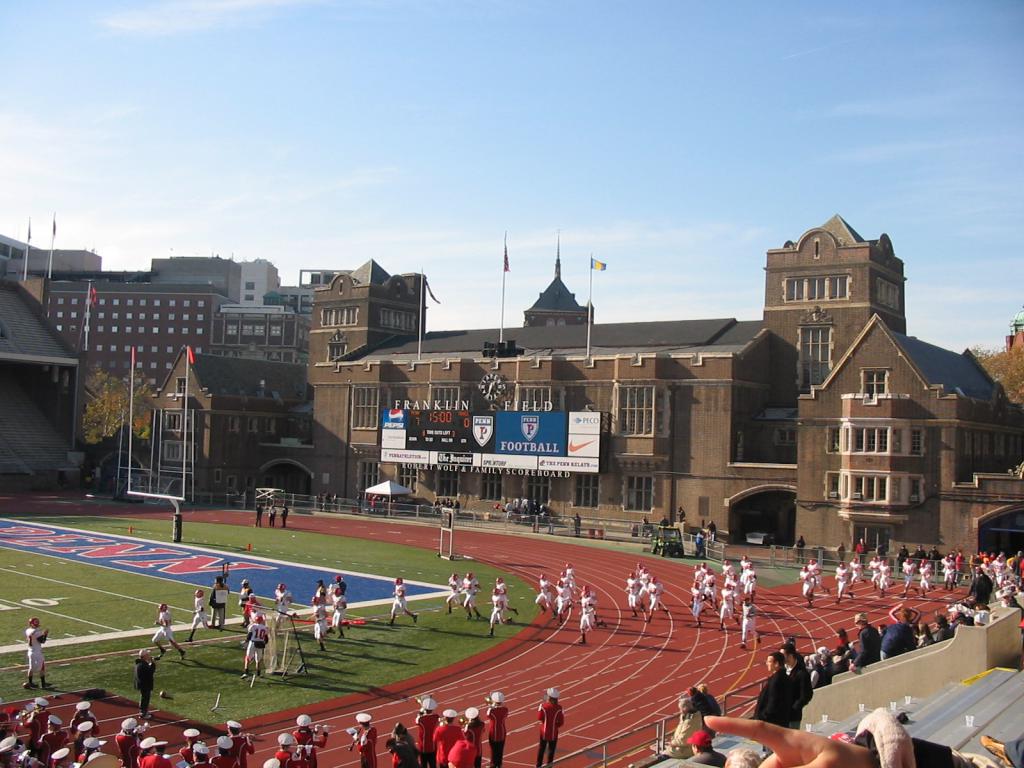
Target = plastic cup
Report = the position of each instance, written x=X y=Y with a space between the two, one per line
x=893 y=706
x=907 y=699
x=969 y=720
x=860 y=707
x=808 y=727
x=824 y=718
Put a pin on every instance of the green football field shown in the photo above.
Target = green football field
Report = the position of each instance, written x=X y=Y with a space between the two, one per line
x=77 y=600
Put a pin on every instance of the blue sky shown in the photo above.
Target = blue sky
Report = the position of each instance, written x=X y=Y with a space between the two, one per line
x=675 y=141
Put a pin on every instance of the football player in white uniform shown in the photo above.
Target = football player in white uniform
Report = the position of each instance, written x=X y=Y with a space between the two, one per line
x=199 y=617
x=35 y=636
x=256 y=641
x=164 y=632
x=399 y=605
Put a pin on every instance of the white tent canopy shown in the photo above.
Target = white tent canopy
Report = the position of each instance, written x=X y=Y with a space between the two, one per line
x=388 y=488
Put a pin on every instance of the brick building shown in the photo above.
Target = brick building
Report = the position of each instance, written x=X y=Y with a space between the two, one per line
x=705 y=417
x=271 y=332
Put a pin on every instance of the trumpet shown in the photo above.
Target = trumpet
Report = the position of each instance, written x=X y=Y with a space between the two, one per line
x=488 y=701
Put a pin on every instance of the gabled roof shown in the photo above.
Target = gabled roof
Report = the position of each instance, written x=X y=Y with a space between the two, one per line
x=557 y=298
x=722 y=336
x=371 y=273
x=844 y=233
x=957 y=373
x=241 y=376
x=24 y=334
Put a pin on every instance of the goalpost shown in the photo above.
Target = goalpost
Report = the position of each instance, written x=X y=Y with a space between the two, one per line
x=447 y=527
x=158 y=482
x=283 y=653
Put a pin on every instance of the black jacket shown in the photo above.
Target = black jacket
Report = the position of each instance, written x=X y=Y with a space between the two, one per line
x=775 y=701
x=801 y=689
x=981 y=589
x=144 y=672
x=870 y=647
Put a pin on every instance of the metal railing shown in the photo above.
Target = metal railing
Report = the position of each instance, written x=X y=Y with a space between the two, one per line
x=633 y=746
x=739 y=702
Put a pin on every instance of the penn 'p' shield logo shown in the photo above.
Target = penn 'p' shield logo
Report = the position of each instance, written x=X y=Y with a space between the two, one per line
x=483 y=429
x=529 y=425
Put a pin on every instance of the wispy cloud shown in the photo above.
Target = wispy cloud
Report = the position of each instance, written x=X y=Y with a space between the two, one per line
x=171 y=17
x=894 y=150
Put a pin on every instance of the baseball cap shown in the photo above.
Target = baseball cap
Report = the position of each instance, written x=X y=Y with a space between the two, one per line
x=701 y=739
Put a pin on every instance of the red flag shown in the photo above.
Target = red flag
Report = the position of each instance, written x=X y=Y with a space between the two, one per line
x=191 y=355
x=92 y=296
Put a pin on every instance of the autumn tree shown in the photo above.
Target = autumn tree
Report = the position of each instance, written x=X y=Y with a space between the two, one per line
x=1006 y=367
x=107 y=406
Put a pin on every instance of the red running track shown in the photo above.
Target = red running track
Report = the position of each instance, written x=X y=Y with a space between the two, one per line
x=628 y=675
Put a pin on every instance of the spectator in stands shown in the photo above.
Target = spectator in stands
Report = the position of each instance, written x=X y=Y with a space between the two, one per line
x=703 y=752
x=703 y=701
x=801 y=690
x=821 y=667
x=899 y=636
x=690 y=721
x=712 y=531
x=923 y=635
x=981 y=587
x=943 y=631
x=775 y=701
x=741 y=757
x=284 y=516
x=843 y=653
x=869 y=644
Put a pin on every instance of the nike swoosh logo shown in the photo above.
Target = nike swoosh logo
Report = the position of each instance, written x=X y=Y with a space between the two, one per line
x=573 y=447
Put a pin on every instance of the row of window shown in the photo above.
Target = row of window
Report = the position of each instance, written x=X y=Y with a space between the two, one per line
x=169 y=330
x=392 y=318
x=252 y=329
x=889 y=440
x=339 y=316
x=637 y=490
x=888 y=489
x=818 y=288
x=978 y=443
x=131 y=302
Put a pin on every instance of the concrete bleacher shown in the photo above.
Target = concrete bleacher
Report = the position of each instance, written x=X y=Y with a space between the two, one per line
x=28 y=441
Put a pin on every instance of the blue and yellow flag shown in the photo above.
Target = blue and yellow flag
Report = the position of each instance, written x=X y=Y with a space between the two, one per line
x=600 y=266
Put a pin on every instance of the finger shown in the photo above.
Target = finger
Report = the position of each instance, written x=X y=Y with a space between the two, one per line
x=793 y=747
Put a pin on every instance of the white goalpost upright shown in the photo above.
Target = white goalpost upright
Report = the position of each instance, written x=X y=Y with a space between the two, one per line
x=447 y=532
x=158 y=482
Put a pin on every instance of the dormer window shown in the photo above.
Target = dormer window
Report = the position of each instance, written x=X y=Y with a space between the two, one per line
x=874 y=382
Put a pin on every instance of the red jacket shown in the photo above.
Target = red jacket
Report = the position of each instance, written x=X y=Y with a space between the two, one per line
x=496 y=717
x=224 y=761
x=368 y=747
x=462 y=754
x=185 y=753
x=155 y=761
x=444 y=739
x=81 y=717
x=240 y=749
x=49 y=743
x=428 y=724
x=128 y=746
x=475 y=732
x=551 y=719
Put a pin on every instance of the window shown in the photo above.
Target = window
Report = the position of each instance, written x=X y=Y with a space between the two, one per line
x=252 y=424
x=821 y=288
x=269 y=425
x=586 y=493
x=142 y=302
x=275 y=330
x=250 y=285
x=888 y=293
x=232 y=482
x=832 y=445
x=447 y=483
x=816 y=288
x=339 y=316
x=172 y=420
x=217 y=475
x=639 y=494
x=534 y=398
x=156 y=302
x=869 y=488
x=916 y=442
x=170 y=316
x=874 y=382
x=815 y=356
x=115 y=302
x=172 y=302
x=870 y=439
x=915 y=490
x=247 y=329
x=364 y=407
x=392 y=318
x=837 y=286
x=636 y=410
x=447 y=396
x=99 y=328
x=408 y=475
x=130 y=302
x=234 y=423
x=538 y=489
x=187 y=303
x=142 y=315
x=785 y=436
x=99 y=347
x=795 y=289
x=173 y=451
x=231 y=329
x=490 y=487
x=199 y=318
x=128 y=315
x=832 y=485
x=337 y=347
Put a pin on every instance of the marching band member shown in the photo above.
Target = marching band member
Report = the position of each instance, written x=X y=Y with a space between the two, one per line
x=84 y=713
x=309 y=738
x=454 y=591
x=223 y=759
x=82 y=732
x=399 y=604
x=90 y=747
x=550 y=718
x=163 y=621
x=497 y=715
x=61 y=758
x=128 y=742
x=187 y=752
x=427 y=722
x=35 y=636
x=445 y=737
x=198 y=614
x=241 y=744
x=366 y=739
x=55 y=738
x=200 y=755
x=474 y=731
x=256 y=641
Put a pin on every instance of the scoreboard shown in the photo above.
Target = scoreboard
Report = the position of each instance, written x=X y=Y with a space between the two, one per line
x=494 y=441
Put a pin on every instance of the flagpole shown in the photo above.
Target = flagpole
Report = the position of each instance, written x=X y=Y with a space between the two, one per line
x=504 y=269
x=131 y=417
x=423 y=311
x=184 y=426
x=28 y=250
x=590 y=305
x=88 y=313
x=53 y=236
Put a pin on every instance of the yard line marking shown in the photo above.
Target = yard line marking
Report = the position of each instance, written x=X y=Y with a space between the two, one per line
x=65 y=616
x=92 y=589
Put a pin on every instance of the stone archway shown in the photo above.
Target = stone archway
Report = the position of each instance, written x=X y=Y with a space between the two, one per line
x=769 y=510
x=287 y=474
x=1003 y=531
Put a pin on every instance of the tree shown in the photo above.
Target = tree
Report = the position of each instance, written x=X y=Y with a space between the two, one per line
x=108 y=405
x=1005 y=367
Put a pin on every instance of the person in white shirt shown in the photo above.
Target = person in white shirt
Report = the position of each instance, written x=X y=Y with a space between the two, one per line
x=283 y=599
x=497 y=609
x=633 y=595
x=949 y=572
x=884 y=579
x=339 y=605
x=256 y=641
x=808 y=582
x=710 y=588
x=696 y=603
x=748 y=624
x=199 y=618
x=563 y=603
x=588 y=613
x=842 y=580
x=654 y=592
x=165 y=632
x=925 y=578
x=470 y=588
x=454 y=591
x=399 y=605
x=727 y=608
x=856 y=572
x=909 y=571
x=35 y=636
x=545 y=595
x=319 y=619
x=874 y=566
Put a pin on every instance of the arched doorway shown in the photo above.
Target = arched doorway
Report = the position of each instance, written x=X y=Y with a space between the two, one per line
x=770 y=511
x=1004 y=532
x=286 y=474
